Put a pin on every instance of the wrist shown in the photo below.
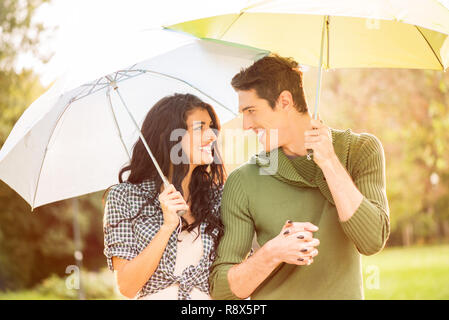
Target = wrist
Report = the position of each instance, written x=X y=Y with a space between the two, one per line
x=166 y=227
x=268 y=252
x=330 y=165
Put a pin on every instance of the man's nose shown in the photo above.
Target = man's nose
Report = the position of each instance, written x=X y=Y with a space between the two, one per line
x=247 y=123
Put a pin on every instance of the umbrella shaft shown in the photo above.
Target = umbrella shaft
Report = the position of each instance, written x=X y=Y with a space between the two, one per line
x=318 y=85
x=161 y=174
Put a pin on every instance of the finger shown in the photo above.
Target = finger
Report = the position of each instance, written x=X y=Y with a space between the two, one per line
x=313 y=243
x=175 y=202
x=168 y=189
x=303 y=226
x=310 y=145
x=286 y=227
x=310 y=227
x=287 y=224
x=174 y=195
x=312 y=139
x=302 y=236
x=300 y=261
x=179 y=207
x=308 y=252
x=311 y=133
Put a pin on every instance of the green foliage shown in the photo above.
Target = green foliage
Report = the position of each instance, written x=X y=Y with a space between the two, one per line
x=34 y=245
x=408 y=110
x=18 y=32
x=17 y=92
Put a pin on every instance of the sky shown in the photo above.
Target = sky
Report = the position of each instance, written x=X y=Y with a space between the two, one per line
x=86 y=26
x=82 y=25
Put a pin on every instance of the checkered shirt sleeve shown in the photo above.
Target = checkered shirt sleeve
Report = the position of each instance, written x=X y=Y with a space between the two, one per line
x=119 y=238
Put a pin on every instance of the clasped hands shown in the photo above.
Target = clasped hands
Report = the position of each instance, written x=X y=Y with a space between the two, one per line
x=295 y=243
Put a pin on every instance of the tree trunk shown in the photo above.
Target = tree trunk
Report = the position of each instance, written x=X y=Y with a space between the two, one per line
x=407 y=234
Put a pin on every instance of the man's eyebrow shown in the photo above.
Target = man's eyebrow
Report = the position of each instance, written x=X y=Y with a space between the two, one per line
x=246 y=108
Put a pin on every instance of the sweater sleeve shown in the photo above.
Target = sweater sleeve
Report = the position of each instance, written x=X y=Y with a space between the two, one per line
x=369 y=227
x=237 y=239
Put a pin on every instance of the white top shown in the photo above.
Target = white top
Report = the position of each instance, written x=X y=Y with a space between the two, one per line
x=189 y=252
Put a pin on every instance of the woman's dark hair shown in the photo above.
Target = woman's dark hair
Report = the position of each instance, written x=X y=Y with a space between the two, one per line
x=169 y=114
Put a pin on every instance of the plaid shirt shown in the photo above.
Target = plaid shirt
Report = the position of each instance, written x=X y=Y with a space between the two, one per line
x=126 y=234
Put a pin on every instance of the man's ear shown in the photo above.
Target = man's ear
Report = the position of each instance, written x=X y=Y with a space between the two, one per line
x=285 y=100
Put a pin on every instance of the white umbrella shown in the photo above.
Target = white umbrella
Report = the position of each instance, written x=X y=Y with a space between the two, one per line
x=74 y=139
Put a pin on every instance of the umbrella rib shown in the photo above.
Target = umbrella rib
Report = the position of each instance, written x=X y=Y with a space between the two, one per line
x=45 y=153
x=108 y=94
x=232 y=23
x=143 y=71
x=431 y=48
x=190 y=85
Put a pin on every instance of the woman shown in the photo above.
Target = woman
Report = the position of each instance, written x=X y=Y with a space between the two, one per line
x=152 y=254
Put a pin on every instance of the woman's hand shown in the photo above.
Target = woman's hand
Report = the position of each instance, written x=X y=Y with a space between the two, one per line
x=171 y=202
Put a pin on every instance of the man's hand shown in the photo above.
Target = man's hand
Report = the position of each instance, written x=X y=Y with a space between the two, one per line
x=319 y=139
x=294 y=244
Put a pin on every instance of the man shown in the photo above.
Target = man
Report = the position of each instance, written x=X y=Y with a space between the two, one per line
x=337 y=200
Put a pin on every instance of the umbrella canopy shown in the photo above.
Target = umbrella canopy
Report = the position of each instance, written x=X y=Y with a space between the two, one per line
x=73 y=140
x=337 y=34
x=375 y=33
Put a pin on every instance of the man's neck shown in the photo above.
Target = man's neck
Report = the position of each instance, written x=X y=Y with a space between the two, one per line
x=298 y=124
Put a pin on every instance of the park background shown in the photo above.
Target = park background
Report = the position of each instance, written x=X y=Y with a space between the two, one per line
x=408 y=110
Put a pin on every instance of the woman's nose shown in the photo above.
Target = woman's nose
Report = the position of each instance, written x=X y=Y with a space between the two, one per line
x=210 y=135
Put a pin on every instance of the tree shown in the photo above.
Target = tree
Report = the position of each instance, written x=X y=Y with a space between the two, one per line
x=34 y=244
x=408 y=110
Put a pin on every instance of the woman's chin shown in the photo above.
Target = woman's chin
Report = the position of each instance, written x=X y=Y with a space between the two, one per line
x=204 y=160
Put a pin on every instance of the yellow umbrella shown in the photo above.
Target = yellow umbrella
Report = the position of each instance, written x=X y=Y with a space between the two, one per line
x=337 y=34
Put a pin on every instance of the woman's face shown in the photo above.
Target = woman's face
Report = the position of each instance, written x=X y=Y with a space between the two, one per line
x=197 y=141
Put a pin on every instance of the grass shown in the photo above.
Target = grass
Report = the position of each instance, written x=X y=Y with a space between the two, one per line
x=393 y=274
x=27 y=295
x=408 y=273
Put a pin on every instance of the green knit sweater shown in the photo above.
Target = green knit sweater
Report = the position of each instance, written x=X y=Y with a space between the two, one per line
x=258 y=199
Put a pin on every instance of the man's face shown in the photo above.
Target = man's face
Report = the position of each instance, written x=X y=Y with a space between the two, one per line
x=268 y=123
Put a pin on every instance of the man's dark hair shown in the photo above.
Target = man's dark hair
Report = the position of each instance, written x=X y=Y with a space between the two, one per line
x=270 y=76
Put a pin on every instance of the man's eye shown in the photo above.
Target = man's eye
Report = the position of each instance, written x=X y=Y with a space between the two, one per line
x=251 y=111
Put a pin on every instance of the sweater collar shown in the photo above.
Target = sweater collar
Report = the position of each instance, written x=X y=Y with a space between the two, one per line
x=277 y=164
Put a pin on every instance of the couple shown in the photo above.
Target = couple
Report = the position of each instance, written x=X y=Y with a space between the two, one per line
x=337 y=201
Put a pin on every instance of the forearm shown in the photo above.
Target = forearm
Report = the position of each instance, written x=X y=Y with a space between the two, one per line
x=245 y=277
x=346 y=196
x=133 y=275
